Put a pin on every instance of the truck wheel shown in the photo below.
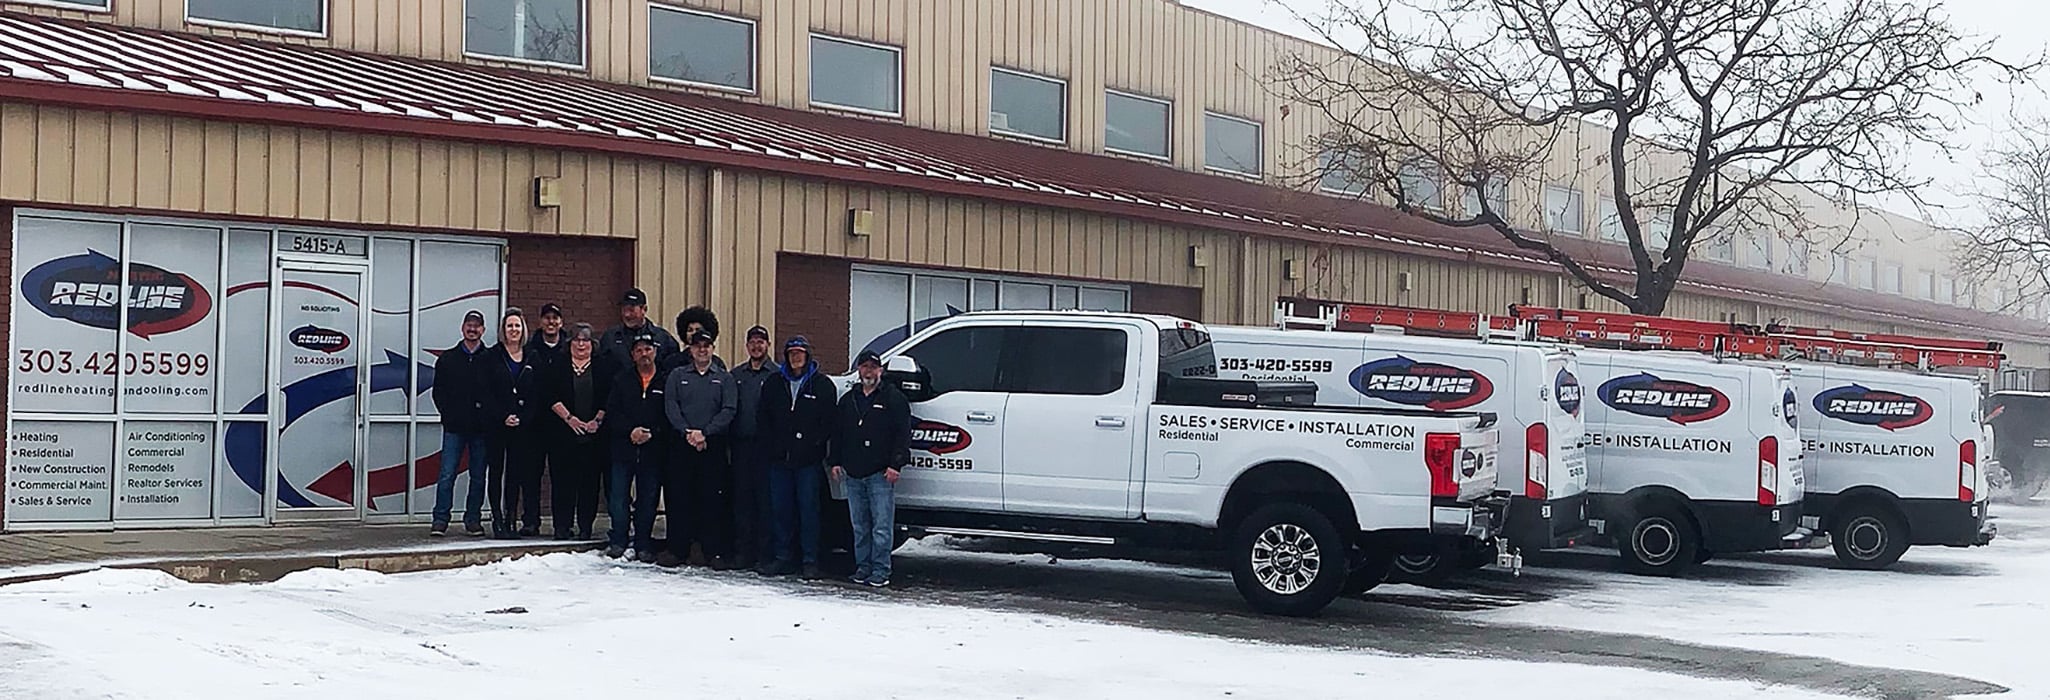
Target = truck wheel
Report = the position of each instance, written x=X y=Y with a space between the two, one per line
x=1868 y=536
x=1371 y=572
x=1288 y=559
x=1426 y=569
x=1661 y=541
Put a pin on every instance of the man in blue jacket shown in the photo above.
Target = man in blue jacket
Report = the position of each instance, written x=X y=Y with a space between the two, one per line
x=797 y=410
x=459 y=399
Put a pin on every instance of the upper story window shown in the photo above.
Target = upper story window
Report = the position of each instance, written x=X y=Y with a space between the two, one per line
x=1797 y=257
x=1890 y=278
x=538 y=31
x=1863 y=272
x=1231 y=144
x=1564 y=210
x=701 y=48
x=1925 y=285
x=1423 y=184
x=1721 y=248
x=1840 y=268
x=1946 y=290
x=1608 y=220
x=1342 y=172
x=1758 y=251
x=288 y=16
x=94 y=5
x=1032 y=106
x=857 y=75
x=1136 y=125
x=1498 y=199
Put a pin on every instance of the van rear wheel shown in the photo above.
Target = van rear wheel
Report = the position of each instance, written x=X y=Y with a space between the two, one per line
x=1661 y=541
x=1868 y=536
x=1288 y=559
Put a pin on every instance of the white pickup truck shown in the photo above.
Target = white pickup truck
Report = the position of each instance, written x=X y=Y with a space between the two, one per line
x=1113 y=429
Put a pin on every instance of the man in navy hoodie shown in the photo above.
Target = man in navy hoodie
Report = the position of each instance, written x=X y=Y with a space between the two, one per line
x=797 y=413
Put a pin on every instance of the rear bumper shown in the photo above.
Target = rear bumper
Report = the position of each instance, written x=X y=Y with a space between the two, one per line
x=1558 y=523
x=1477 y=520
x=1931 y=521
x=1738 y=526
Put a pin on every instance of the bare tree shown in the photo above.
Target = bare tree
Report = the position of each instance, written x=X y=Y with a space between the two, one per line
x=2010 y=250
x=1709 y=119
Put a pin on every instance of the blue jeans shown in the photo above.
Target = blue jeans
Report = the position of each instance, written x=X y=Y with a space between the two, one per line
x=453 y=448
x=794 y=495
x=641 y=482
x=872 y=506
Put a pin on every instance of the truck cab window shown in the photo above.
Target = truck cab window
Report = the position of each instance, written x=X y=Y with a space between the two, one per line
x=1186 y=352
x=961 y=359
x=1070 y=361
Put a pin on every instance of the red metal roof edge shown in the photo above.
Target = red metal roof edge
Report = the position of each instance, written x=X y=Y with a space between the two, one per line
x=1003 y=157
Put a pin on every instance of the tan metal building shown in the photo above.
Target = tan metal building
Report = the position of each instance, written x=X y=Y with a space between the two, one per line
x=180 y=175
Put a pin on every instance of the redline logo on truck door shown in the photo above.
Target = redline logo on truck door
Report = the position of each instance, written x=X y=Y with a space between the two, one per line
x=1434 y=386
x=939 y=438
x=1567 y=387
x=1681 y=402
x=1890 y=410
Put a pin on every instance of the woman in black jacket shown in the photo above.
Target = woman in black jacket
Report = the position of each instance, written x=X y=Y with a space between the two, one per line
x=512 y=411
x=576 y=386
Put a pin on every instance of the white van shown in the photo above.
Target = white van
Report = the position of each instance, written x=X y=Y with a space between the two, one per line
x=1893 y=460
x=1689 y=455
x=1533 y=387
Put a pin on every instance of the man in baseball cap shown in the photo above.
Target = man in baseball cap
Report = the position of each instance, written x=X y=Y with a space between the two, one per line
x=871 y=442
x=633 y=321
x=750 y=468
x=459 y=398
x=797 y=422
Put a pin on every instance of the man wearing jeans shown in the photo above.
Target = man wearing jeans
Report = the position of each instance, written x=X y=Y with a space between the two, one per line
x=459 y=398
x=796 y=420
x=871 y=442
x=637 y=421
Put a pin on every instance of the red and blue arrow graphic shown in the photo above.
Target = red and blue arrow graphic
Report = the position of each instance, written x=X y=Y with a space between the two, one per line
x=244 y=441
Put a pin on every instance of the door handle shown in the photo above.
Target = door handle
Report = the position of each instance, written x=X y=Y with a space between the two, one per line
x=1110 y=422
x=981 y=417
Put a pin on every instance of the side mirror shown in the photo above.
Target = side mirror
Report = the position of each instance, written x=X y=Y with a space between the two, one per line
x=913 y=380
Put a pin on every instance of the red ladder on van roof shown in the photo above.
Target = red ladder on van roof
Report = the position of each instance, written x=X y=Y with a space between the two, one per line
x=1626 y=330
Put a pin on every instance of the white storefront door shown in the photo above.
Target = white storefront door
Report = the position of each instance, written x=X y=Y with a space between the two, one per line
x=317 y=397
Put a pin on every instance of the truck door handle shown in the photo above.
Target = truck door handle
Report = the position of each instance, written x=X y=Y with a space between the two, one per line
x=981 y=417
x=1109 y=422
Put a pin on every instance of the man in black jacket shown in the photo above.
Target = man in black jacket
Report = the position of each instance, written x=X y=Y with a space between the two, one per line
x=459 y=398
x=617 y=343
x=870 y=444
x=750 y=469
x=550 y=342
x=796 y=420
x=637 y=421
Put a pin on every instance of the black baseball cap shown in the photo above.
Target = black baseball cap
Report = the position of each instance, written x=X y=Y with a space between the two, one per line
x=757 y=332
x=645 y=338
x=473 y=315
x=868 y=357
x=634 y=297
x=551 y=308
x=702 y=337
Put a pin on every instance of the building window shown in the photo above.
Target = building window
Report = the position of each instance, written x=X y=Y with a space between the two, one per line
x=1758 y=251
x=294 y=16
x=1563 y=209
x=856 y=75
x=1721 y=248
x=1840 y=268
x=1925 y=285
x=1344 y=172
x=1658 y=231
x=540 y=31
x=1032 y=106
x=1498 y=199
x=1231 y=144
x=1890 y=278
x=1864 y=272
x=700 y=48
x=94 y=5
x=1797 y=257
x=1946 y=290
x=1423 y=184
x=1608 y=220
x=1135 y=124
x=1996 y=298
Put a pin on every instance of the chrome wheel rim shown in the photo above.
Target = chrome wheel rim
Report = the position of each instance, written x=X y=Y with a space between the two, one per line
x=1656 y=541
x=1865 y=538
x=1286 y=559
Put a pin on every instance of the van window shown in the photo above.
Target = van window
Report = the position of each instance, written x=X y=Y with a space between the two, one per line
x=961 y=359
x=1070 y=361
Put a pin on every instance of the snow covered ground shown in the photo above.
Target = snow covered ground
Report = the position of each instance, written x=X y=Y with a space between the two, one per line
x=590 y=624
x=1982 y=613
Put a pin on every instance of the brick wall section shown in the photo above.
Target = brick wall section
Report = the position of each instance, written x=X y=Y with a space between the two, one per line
x=583 y=275
x=1185 y=302
x=6 y=325
x=811 y=300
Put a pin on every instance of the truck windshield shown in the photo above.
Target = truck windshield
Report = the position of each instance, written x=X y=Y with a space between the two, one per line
x=1186 y=352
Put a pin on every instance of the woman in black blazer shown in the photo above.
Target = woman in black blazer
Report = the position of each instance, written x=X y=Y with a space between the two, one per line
x=512 y=415
x=575 y=387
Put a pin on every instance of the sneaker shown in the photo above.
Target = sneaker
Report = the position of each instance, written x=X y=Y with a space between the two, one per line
x=858 y=577
x=811 y=573
x=440 y=530
x=646 y=556
x=878 y=582
x=473 y=529
x=719 y=564
x=777 y=568
x=668 y=560
x=530 y=531
x=615 y=552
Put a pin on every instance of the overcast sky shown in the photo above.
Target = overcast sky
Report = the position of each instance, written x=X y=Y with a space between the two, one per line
x=2016 y=27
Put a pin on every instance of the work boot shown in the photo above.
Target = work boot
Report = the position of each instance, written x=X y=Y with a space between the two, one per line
x=440 y=530
x=780 y=567
x=719 y=564
x=812 y=573
x=473 y=529
x=647 y=556
x=668 y=560
x=615 y=552
x=530 y=531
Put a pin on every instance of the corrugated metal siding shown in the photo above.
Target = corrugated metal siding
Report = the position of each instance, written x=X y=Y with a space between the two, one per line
x=61 y=156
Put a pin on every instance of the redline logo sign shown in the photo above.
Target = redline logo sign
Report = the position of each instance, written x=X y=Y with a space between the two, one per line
x=86 y=289
x=1890 y=410
x=319 y=339
x=1681 y=402
x=939 y=438
x=1434 y=386
x=1567 y=387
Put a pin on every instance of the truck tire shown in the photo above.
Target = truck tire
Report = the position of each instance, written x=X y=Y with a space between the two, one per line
x=1661 y=541
x=1868 y=536
x=1432 y=569
x=1288 y=559
x=1372 y=570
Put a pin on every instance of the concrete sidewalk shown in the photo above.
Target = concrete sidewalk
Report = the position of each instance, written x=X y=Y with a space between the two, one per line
x=250 y=554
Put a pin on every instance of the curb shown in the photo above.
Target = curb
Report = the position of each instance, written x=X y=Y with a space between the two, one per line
x=265 y=569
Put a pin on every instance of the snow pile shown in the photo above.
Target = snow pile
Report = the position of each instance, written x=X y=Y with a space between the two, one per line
x=329 y=579
x=552 y=626
x=101 y=582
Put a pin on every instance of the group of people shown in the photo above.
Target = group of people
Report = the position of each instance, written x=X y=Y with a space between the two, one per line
x=736 y=458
